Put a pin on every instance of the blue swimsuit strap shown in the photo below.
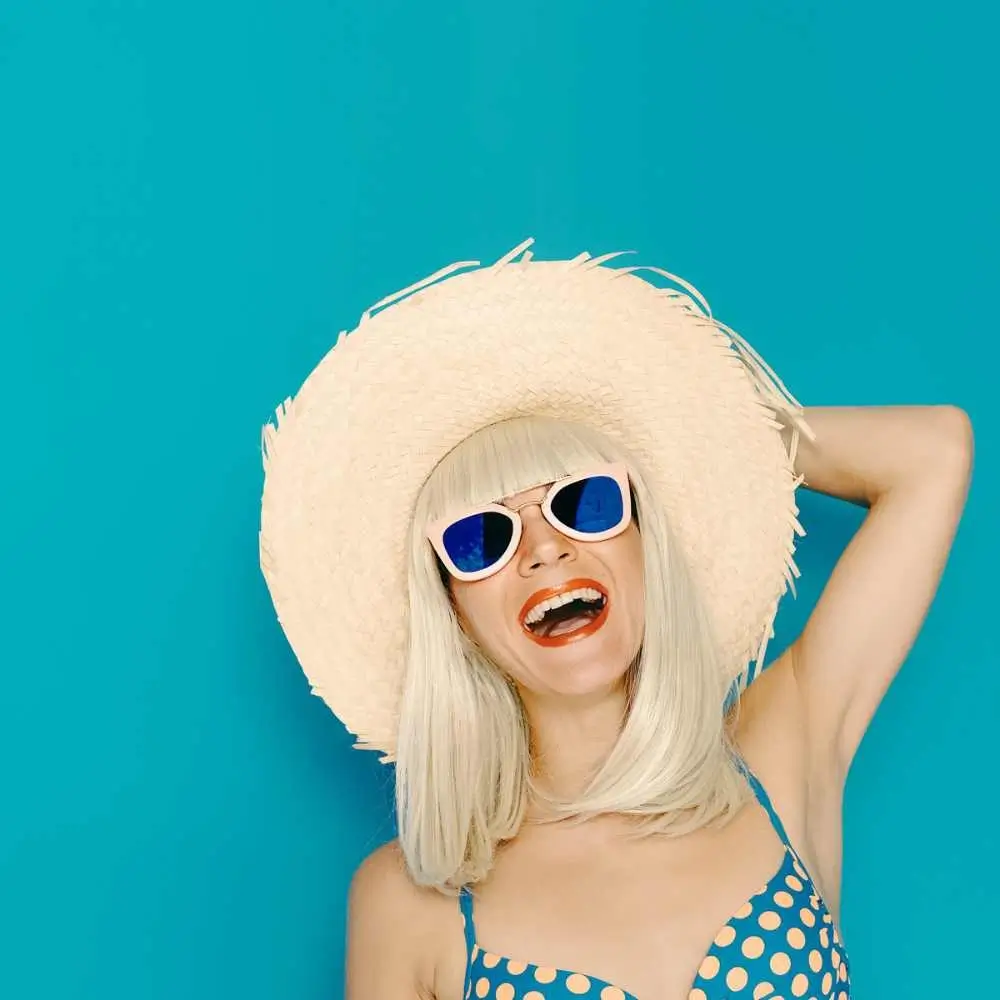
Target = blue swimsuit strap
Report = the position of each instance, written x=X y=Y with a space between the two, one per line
x=465 y=904
x=764 y=799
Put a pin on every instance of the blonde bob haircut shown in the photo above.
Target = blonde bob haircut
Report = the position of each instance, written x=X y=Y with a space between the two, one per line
x=464 y=771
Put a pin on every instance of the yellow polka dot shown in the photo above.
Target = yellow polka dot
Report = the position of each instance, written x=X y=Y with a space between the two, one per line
x=736 y=978
x=815 y=960
x=793 y=883
x=835 y=958
x=482 y=987
x=533 y=995
x=726 y=937
x=762 y=990
x=577 y=984
x=515 y=968
x=769 y=920
x=807 y=917
x=842 y=972
x=842 y=996
x=824 y=938
x=612 y=993
x=827 y=919
x=814 y=902
x=827 y=984
x=544 y=974
x=784 y=899
x=490 y=960
x=697 y=994
x=709 y=967
x=800 y=984
x=780 y=963
x=744 y=911
x=505 y=992
x=753 y=946
x=796 y=939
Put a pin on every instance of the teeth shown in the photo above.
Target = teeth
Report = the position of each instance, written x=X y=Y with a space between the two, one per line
x=537 y=613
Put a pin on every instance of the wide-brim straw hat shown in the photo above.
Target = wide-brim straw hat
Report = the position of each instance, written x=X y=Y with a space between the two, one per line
x=470 y=346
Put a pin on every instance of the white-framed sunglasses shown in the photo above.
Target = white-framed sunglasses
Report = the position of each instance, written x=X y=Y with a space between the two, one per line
x=591 y=506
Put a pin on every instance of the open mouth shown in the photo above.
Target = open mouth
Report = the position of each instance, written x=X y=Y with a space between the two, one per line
x=572 y=611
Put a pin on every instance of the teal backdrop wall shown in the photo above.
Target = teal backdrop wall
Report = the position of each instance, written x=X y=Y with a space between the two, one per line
x=196 y=197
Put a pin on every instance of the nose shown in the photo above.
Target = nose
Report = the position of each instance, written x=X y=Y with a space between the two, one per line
x=541 y=544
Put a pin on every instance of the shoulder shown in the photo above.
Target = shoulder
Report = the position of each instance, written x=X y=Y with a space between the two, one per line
x=397 y=931
x=381 y=875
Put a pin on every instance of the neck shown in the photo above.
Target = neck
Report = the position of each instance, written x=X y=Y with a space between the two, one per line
x=571 y=737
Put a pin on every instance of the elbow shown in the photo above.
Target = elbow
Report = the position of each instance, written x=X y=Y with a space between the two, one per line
x=953 y=444
x=957 y=436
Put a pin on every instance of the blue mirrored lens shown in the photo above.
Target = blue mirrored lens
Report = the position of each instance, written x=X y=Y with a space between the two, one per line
x=478 y=541
x=591 y=505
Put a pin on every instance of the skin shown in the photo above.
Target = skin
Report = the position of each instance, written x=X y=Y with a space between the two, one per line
x=642 y=915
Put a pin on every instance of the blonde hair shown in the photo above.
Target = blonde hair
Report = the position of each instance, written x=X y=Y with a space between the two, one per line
x=463 y=764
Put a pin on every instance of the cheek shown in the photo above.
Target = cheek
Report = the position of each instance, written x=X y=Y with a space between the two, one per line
x=476 y=605
x=460 y=602
x=634 y=578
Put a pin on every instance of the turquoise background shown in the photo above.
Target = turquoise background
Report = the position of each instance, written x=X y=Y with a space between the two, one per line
x=195 y=199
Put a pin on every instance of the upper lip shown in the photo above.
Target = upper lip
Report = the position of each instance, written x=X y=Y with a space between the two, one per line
x=543 y=595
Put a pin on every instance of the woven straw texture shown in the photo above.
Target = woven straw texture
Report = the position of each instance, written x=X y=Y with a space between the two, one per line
x=472 y=345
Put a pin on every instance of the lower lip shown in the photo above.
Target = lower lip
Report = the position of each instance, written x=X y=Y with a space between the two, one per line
x=575 y=636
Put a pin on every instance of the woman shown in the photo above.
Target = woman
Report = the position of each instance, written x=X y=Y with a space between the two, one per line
x=564 y=518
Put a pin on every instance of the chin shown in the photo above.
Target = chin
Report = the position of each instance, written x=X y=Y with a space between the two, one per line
x=584 y=675
x=603 y=685
x=592 y=665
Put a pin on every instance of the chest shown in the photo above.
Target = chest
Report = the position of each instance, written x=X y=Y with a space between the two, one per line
x=720 y=910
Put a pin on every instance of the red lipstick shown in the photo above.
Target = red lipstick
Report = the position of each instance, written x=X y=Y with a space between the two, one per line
x=581 y=633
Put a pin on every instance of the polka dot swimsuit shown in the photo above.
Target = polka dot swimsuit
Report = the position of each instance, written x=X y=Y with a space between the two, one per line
x=781 y=944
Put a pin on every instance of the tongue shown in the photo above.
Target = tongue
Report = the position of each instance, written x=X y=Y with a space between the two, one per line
x=567 y=625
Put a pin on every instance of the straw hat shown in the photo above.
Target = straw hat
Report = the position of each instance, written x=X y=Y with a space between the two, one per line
x=469 y=346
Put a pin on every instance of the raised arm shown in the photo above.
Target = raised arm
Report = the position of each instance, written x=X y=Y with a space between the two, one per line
x=910 y=465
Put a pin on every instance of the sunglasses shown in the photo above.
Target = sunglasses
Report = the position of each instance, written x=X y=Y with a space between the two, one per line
x=589 y=507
